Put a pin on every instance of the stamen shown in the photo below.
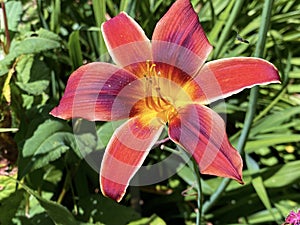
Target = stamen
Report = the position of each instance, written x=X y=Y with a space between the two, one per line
x=154 y=98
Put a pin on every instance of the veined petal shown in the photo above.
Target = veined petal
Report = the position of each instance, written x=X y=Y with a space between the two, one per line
x=99 y=91
x=126 y=40
x=125 y=154
x=202 y=133
x=221 y=78
x=178 y=38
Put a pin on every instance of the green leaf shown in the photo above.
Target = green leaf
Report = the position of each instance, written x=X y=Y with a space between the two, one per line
x=153 y=220
x=106 y=131
x=13 y=12
x=55 y=16
x=106 y=210
x=274 y=120
x=58 y=213
x=260 y=189
x=37 y=42
x=271 y=140
x=283 y=175
x=50 y=140
x=75 y=50
x=33 y=75
x=9 y=206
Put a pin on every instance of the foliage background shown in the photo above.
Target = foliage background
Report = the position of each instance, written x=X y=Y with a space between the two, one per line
x=44 y=178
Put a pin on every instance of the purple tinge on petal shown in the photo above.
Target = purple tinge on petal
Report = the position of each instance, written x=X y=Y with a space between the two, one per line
x=179 y=40
x=99 y=91
x=125 y=154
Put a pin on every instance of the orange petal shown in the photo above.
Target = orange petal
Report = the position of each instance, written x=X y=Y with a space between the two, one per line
x=125 y=154
x=99 y=91
x=221 y=78
x=179 y=40
x=202 y=133
x=126 y=41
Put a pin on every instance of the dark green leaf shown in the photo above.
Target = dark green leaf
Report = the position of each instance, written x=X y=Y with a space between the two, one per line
x=50 y=140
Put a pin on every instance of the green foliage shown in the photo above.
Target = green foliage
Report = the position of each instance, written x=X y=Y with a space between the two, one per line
x=55 y=185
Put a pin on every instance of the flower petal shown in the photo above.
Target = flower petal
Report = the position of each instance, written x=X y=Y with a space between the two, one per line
x=125 y=154
x=178 y=38
x=99 y=91
x=202 y=133
x=126 y=41
x=221 y=78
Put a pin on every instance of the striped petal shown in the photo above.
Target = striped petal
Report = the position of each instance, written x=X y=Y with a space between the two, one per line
x=99 y=91
x=221 y=78
x=202 y=133
x=126 y=41
x=178 y=39
x=125 y=154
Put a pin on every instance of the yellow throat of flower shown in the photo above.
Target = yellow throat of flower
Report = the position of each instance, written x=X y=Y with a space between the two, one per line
x=155 y=99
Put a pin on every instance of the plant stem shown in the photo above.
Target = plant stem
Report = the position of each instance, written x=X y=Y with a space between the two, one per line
x=65 y=187
x=266 y=17
x=7 y=44
x=194 y=166
x=199 y=191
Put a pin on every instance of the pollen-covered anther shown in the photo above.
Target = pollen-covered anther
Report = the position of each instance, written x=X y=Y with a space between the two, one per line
x=155 y=99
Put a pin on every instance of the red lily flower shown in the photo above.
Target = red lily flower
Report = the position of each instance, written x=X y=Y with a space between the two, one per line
x=161 y=82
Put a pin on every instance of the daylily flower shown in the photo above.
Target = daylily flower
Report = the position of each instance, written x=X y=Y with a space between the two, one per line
x=157 y=83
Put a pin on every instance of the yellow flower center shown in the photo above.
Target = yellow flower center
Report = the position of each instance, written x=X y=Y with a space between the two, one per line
x=155 y=100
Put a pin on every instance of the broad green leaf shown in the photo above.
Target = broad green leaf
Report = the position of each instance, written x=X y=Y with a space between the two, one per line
x=43 y=33
x=106 y=131
x=23 y=68
x=50 y=140
x=33 y=75
x=37 y=42
x=13 y=12
x=33 y=45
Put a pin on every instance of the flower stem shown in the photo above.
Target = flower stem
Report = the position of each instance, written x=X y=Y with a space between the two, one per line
x=262 y=36
x=194 y=167
x=199 y=193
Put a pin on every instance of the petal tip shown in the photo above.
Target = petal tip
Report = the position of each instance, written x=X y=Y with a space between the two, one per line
x=112 y=190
